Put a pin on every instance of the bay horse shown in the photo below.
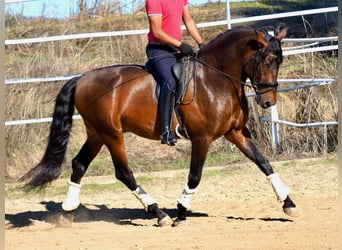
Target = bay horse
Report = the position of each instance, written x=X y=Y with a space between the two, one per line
x=117 y=99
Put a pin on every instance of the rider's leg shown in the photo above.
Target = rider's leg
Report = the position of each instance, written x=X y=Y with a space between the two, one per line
x=166 y=106
x=163 y=57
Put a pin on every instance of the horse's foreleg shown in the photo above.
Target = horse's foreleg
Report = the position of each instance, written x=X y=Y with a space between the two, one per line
x=242 y=139
x=198 y=155
x=151 y=206
x=125 y=175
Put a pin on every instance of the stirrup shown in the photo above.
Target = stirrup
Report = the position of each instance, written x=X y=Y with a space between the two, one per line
x=168 y=138
x=181 y=131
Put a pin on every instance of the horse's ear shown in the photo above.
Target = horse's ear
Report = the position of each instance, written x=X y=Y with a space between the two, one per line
x=261 y=39
x=282 y=34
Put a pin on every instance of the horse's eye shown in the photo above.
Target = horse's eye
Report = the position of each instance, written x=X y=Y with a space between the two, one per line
x=266 y=65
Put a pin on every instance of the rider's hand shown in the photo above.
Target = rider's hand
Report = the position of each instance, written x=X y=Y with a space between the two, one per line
x=187 y=49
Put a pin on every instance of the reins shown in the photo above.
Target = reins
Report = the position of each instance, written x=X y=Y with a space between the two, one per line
x=256 y=69
x=220 y=71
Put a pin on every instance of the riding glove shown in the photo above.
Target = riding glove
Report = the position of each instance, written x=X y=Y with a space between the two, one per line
x=187 y=49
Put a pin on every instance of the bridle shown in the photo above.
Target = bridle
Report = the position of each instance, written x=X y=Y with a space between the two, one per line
x=255 y=81
x=256 y=84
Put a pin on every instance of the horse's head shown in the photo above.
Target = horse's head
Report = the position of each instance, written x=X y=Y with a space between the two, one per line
x=262 y=67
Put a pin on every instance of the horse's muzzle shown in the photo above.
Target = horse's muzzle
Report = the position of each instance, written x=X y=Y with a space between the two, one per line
x=265 y=101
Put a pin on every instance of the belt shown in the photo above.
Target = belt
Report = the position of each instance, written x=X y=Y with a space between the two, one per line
x=156 y=43
x=161 y=45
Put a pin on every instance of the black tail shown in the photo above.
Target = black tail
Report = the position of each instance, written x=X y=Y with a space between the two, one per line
x=49 y=167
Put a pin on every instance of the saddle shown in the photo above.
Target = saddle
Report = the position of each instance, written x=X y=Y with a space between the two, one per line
x=179 y=72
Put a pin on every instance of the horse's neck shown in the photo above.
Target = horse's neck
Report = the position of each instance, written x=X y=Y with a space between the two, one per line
x=228 y=48
x=216 y=81
x=227 y=67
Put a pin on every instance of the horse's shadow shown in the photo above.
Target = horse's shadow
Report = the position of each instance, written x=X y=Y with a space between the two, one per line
x=263 y=219
x=120 y=216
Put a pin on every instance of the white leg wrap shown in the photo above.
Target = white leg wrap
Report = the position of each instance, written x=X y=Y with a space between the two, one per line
x=278 y=186
x=72 y=200
x=185 y=197
x=143 y=197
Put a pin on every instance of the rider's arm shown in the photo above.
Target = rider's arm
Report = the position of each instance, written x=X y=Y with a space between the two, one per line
x=191 y=26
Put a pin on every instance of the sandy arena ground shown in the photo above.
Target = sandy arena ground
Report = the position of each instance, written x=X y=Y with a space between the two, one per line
x=234 y=208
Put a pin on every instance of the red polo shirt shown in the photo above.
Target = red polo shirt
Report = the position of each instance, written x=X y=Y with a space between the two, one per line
x=171 y=12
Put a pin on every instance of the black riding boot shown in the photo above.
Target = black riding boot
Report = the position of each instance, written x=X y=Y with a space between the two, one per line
x=166 y=105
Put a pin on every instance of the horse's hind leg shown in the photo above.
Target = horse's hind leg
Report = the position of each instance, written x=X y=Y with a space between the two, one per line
x=242 y=139
x=125 y=175
x=84 y=157
x=80 y=165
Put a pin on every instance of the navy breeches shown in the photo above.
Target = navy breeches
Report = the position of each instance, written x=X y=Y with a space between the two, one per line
x=162 y=58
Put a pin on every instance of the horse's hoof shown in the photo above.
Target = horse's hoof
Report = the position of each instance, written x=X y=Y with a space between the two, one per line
x=165 y=221
x=290 y=211
x=65 y=220
x=178 y=222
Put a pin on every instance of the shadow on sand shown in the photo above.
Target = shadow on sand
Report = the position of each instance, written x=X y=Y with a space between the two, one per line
x=120 y=216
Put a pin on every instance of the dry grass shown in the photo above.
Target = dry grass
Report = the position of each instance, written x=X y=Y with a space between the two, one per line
x=25 y=144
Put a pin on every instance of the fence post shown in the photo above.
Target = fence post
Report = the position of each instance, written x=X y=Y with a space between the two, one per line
x=274 y=126
x=229 y=26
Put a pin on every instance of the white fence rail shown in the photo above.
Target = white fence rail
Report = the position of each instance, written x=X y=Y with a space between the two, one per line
x=307 y=83
x=273 y=119
x=145 y=31
x=286 y=52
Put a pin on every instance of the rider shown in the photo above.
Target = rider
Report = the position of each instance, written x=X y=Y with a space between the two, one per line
x=164 y=41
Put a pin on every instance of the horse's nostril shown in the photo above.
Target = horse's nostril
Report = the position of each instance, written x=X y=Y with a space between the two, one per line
x=268 y=104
